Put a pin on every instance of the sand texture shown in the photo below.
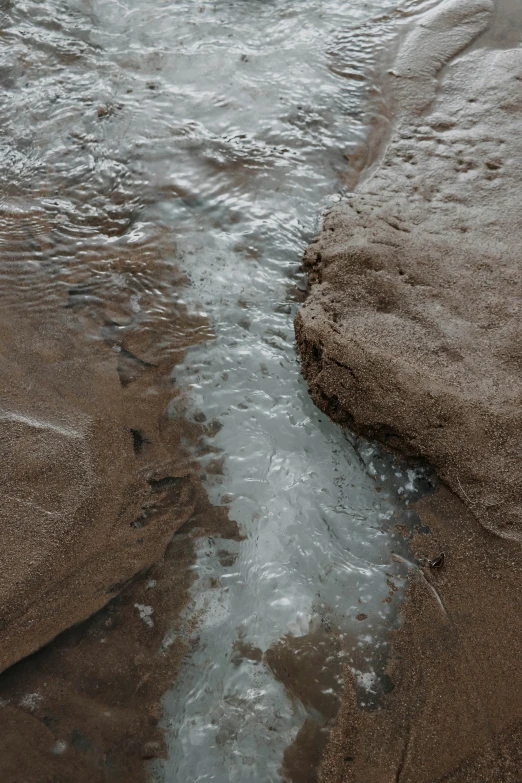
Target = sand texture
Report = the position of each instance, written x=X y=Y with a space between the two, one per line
x=412 y=334
x=96 y=480
x=412 y=329
x=86 y=707
x=98 y=483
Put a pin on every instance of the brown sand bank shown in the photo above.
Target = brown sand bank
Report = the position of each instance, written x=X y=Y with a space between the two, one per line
x=95 y=478
x=412 y=334
x=86 y=707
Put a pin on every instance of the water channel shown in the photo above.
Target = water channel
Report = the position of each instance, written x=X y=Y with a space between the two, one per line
x=229 y=126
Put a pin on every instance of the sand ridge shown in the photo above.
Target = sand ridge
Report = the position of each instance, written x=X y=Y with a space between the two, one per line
x=411 y=335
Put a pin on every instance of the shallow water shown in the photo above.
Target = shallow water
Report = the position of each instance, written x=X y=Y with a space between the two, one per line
x=284 y=104
x=144 y=136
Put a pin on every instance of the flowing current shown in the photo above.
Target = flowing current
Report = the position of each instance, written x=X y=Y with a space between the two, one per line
x=229 y=126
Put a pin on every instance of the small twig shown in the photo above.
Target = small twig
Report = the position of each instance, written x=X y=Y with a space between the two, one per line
x=470 y=501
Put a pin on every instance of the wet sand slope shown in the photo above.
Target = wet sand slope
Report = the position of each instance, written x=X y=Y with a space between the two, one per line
x=92 y=491
x=98 y=486
x=411 y=334
x=96 y=478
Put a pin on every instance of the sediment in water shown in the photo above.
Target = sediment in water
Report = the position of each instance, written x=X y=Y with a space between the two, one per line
x=411 y=334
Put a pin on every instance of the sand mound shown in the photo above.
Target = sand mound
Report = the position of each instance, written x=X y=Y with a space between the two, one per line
x=412 y=334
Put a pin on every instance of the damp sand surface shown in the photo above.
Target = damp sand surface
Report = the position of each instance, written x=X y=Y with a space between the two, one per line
x=410 y=335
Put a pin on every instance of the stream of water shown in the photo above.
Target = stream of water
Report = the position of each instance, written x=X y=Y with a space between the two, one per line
x=275 y=95
x=229 y=126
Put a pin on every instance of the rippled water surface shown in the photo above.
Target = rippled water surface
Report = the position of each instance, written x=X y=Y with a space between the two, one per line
x=141 y=137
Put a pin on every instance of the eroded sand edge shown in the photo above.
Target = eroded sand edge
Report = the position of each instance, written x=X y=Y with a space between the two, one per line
x=411 y=334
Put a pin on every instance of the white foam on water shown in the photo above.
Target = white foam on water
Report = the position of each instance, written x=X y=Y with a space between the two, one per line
x=265 y=121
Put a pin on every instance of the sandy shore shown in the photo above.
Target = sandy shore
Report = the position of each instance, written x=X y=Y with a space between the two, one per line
x=99 y=486
x=93 y=492
x=97 y=479
x=86 y=707
x=411 y=335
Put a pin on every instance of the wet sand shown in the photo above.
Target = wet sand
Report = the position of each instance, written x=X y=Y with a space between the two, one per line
x=99 y=486
x=411 y=335
x=96 y=480
x=454 y=713
x=86 y=707
x=112 y=483
x=97 y=477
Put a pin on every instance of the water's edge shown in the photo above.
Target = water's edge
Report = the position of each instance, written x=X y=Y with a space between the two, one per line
x=136 y=163
x=459 y=625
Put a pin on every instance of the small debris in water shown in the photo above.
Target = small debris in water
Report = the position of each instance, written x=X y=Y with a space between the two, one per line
x=31 y=700
x=145 y=614
x=437 y=562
